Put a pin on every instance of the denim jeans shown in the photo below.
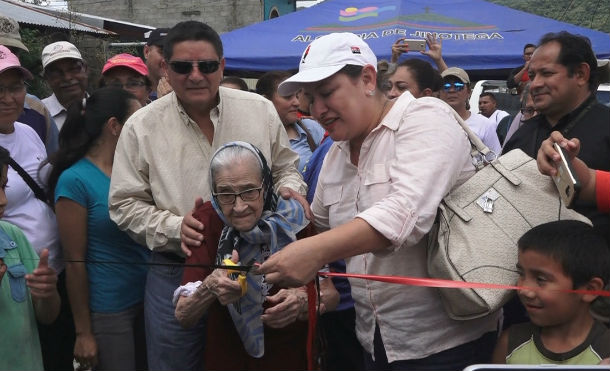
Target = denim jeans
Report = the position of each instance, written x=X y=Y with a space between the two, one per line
x=454 y=359
x=168 y=345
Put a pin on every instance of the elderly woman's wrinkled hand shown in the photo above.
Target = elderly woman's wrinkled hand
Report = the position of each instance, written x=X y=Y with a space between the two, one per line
x=286 y=306
x=226 y=290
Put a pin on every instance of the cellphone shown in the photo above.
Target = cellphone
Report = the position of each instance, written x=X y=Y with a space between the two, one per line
x=415 y=44
x=566 y=181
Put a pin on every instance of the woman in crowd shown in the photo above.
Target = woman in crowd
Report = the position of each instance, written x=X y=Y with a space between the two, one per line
x=268 y=320
x=125 y=71
x=415 y=75
x=27 y=201
x=377 y=196
x=106 y=299
x=304 y=134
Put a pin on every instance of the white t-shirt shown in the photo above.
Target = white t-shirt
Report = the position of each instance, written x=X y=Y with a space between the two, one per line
x=497 y=116
x=485 y=129
x=24 y=210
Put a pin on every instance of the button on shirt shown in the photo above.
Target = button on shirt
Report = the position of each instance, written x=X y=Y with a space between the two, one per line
x=162 y=157
x=407 y=164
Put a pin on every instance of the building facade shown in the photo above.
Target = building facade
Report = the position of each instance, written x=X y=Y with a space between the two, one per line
x=222 y=15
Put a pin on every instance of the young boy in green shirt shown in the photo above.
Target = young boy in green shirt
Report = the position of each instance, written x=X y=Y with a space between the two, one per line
x=555 y=258
x=27 y=291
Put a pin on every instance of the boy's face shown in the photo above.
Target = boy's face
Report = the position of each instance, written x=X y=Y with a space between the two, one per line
x=545 y=303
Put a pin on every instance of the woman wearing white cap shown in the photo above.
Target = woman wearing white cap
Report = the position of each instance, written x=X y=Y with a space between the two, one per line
x=376 y=200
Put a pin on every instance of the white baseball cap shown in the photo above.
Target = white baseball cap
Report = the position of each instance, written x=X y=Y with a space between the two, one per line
x=326 y=56
x=59 y=50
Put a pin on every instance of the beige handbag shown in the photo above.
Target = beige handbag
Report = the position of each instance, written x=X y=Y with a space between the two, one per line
x=479 y=224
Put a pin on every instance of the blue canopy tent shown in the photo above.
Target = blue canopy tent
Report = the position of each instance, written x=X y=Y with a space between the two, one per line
x=477 y=35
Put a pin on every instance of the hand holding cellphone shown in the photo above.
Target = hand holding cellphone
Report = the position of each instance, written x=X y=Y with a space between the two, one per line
x=565 y=179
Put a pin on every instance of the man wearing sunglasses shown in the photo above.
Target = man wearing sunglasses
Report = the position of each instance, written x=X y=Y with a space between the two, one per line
x=455 y=91
x=161 y=168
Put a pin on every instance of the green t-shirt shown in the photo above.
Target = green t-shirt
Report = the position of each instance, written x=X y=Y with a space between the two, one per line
x=525 y=347
x=19 y=344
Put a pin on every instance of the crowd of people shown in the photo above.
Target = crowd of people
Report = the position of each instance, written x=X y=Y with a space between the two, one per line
x=172 y=219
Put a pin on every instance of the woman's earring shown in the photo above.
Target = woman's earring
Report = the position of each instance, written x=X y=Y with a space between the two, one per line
x=370 y=93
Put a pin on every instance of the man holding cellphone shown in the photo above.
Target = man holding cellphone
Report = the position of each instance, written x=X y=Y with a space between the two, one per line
x=563 y=74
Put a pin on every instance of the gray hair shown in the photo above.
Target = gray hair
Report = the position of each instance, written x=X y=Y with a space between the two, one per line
x=229 y=155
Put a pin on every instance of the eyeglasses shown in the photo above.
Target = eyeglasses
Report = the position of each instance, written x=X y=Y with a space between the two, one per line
x=56 y=73
x=528 y=110
x=457 y=86
x=12 y=90
x=185 y=67
x=227 y=198
x=127 y=85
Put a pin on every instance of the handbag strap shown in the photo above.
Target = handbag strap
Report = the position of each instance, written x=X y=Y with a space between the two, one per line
x=481 y=154
x=38 y=191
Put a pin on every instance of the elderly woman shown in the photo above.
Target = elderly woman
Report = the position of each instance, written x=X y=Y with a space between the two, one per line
x=376 y=200
x=260 y=326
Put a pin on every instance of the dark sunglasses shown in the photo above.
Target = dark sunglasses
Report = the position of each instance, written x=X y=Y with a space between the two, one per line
x=186 y=67
x=458 y=86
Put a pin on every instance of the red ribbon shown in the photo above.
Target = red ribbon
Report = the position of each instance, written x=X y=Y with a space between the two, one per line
x=437 y=282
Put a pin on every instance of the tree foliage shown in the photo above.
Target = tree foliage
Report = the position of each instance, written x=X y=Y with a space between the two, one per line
x=35 y=42
x=593 y=14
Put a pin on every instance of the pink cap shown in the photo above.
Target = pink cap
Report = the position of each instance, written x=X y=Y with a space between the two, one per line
x=9 y=60
x=126 y=60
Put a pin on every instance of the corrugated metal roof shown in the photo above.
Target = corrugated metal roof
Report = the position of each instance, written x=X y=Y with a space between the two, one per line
x=23 y=13
x=89 y=19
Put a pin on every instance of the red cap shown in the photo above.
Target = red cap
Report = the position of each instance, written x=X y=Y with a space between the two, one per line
x=126 y=60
